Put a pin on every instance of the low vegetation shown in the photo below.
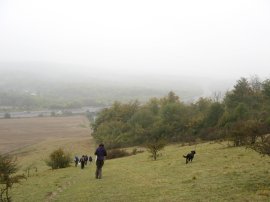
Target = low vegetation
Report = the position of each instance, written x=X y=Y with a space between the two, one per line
x=242 y=116
x=154 y=148
x=117 y=153
x=8 y=177
x=59 y=159
x=262 y=147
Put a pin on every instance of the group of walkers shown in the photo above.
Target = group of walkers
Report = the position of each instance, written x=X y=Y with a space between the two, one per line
x=100 y=153
x=83 y=160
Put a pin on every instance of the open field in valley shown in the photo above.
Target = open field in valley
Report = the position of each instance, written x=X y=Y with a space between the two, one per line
x=22 y=132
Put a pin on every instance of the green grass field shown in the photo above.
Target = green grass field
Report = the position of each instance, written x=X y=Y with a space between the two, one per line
x=218 y=173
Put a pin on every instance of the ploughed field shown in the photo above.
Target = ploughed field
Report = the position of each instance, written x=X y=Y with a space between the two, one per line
x=23 y=132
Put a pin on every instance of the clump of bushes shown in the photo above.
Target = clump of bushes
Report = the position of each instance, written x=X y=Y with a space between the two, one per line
x=59 y=159
x=136 y=151
x=263 y=147
x=117 y=153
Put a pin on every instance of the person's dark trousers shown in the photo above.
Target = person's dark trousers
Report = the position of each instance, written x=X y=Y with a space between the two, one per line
x=82 y=165
x=99 y=164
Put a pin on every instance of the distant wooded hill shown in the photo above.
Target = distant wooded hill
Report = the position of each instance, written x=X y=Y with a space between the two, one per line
x=24 y=91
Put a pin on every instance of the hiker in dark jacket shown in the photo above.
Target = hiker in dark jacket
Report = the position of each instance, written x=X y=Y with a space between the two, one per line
x=90 y=159
x=82 y=162
x=101 y=154
x=85 y=159
x=76 y=160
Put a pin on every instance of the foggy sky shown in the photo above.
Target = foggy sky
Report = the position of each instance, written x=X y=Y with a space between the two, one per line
x=221 y=39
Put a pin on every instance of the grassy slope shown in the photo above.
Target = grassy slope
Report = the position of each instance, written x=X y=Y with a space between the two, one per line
x=218 y=173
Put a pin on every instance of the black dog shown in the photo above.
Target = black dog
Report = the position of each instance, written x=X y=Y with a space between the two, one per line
x=189 y=156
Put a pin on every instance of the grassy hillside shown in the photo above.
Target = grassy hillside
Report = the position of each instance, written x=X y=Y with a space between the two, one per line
x=218 y=173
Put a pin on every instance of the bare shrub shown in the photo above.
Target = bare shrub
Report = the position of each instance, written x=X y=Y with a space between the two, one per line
x=155 y=147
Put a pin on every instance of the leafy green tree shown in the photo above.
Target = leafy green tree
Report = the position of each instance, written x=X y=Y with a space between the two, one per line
x=238 y=133
x=112 y=125
x=156 y=139
x=241 y=112
x=266 y=95
x=8 y=177
x=112 y=134
x=240 y=94
x=117 y=112
x=215 y=112
x=153 y=105
x=141 y=124
x=266 y=88
x=202 y=105
x=170 y=98
x=173 y=116
x=196 y=114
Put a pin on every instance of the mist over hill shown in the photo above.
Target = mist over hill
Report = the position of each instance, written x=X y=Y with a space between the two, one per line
x=37 y=85
x=106 y=51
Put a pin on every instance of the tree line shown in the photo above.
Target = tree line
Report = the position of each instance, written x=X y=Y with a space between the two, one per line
x=241 y=116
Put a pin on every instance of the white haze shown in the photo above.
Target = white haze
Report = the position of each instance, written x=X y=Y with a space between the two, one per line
x=196 y=40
